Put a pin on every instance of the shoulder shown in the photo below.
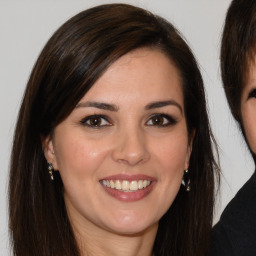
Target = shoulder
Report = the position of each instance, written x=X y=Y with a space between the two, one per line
x=243 y=205
x=235 y=233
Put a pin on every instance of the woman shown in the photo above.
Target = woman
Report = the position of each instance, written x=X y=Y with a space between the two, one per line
x=113 y=121
x=235 y=233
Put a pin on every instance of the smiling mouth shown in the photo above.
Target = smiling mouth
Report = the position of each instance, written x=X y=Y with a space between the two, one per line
x=125 y=185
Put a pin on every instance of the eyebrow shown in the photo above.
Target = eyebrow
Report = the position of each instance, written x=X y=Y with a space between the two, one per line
x=115 y=108
x=160 y=104
x=100 y=105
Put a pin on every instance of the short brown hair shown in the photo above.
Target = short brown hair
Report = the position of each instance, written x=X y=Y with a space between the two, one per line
x=237 y=49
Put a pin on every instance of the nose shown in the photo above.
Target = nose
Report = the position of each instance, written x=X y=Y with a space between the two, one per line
x=131 y=148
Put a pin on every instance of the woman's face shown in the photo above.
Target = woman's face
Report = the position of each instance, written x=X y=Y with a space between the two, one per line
x=122 y=152
x=248 y=106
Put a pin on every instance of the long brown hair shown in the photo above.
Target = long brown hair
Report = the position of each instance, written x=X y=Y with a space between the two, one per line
x=73 y=59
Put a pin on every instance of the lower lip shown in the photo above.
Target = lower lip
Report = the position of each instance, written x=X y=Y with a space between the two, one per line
x=129 y=196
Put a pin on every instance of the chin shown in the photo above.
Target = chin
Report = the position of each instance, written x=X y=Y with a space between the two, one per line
x=131 y=226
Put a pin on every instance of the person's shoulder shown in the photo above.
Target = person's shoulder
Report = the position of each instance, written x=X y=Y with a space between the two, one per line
x=235 y=233
x=243 y=203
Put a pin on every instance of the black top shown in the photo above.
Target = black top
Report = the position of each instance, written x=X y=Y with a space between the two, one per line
x=235 y=233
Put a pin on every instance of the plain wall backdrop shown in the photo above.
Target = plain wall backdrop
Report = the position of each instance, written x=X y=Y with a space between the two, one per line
x=25 y=26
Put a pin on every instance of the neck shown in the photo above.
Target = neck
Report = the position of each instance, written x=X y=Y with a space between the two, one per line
x=103 y=242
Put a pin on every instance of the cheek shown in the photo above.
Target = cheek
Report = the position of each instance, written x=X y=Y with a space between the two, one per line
x=249 y=123
x=76 y=155
x=171 y=157
x=172 y=153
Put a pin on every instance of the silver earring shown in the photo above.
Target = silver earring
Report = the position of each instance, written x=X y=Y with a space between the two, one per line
x=50 y=170
x=186 y=180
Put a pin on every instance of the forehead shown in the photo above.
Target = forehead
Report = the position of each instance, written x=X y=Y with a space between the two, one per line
x=143 y=74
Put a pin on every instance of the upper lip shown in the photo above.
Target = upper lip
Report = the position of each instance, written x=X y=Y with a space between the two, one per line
x=129 y=177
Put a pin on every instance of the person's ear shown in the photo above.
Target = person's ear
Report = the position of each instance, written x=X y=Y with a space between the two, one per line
x=189 y=149
x=49 y=153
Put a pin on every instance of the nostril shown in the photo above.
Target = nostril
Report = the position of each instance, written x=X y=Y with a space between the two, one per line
x=131 y=148
x=131 y=158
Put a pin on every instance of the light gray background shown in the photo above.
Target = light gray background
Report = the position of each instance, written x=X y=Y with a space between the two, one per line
x=25 y=26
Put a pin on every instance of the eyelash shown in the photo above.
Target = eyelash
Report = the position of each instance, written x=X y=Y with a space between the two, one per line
x=252 y=94
x=169 y=120
x=164 y=119
x=94 y=117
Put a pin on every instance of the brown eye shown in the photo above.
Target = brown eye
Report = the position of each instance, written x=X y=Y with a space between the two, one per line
x=157 y=120
x=252 y=93
x=161 y=120
x=95 y=121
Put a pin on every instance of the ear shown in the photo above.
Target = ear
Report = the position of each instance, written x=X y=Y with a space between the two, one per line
x=49 y=153
x=189 y=149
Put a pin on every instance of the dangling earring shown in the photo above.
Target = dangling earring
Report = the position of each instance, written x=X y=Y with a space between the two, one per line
x=50 y=170
x=186 y=180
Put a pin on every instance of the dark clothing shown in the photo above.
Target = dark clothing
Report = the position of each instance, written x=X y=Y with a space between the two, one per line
x=235 y=233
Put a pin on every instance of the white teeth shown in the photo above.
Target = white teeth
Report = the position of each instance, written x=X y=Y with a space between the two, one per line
x=126 y=185
x=112 y=184
x=134 y=185
x=118 y=185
